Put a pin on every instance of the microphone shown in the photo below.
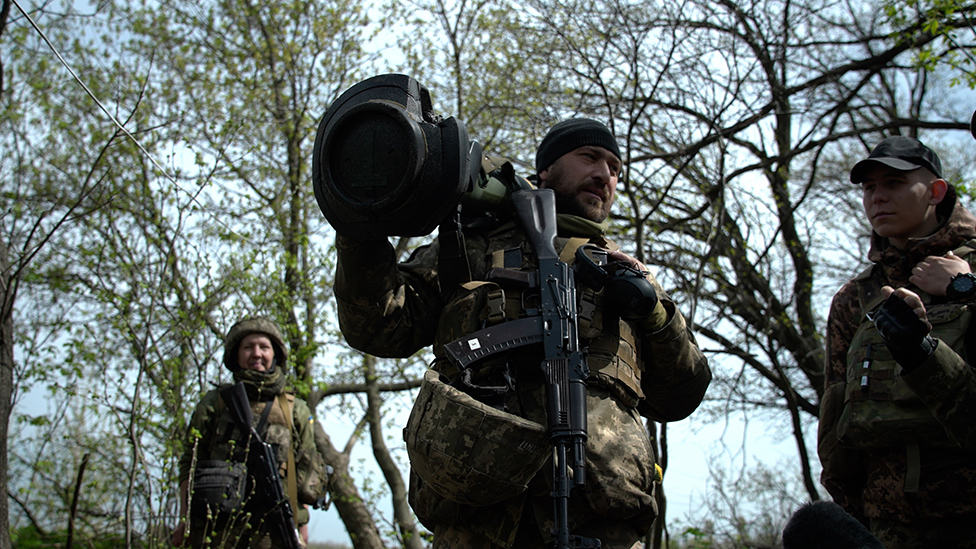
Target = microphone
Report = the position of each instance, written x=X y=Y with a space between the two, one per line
x=826 y=525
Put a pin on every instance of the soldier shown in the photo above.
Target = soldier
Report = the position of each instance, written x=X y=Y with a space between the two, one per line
x=649 y=365
x=897 y=436
x=215 y=485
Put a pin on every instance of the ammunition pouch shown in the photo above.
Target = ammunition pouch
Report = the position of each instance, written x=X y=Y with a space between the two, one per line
x=880 y=410
x=219 y=489
x=467 y=451
x=497 y=314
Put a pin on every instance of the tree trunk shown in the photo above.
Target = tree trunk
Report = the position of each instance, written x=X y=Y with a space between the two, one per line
x=401 y=508
x=345 y=496
x=6 y=384
x=6 y=346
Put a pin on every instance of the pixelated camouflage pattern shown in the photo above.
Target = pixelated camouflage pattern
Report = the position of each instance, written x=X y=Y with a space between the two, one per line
x=869 y=484
x=612 y=533
x=394 y=311
x=618 y=503
x=955 y=532
x=468 y=451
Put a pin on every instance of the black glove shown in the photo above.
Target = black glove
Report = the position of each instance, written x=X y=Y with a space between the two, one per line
x=906 y=335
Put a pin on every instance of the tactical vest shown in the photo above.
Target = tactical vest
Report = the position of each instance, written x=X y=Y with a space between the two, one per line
x=880 y=410
x=228 y=443
x=500 y=289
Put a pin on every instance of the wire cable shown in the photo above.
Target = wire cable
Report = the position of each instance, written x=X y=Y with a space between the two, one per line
x=118 y=124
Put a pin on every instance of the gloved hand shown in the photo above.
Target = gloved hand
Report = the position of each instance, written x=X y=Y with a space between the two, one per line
x=631 y=295
x=904 y=333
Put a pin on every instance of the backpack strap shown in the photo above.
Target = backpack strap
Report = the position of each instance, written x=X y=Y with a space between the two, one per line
x=966 y=249
x=869 y=281
x=869 y=285
x=568 y=252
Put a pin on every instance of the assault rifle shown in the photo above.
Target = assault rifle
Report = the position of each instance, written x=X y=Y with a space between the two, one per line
x=263 y=467
x=564 y=365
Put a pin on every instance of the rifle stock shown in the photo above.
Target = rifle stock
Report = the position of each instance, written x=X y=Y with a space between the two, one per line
x=564 y=365
x=263 y=466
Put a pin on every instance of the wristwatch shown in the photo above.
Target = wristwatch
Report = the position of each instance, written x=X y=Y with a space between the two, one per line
x=961 y=286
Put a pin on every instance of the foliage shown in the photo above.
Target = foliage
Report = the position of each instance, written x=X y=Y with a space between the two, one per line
x=747 y=507
x=29 y=537
x=950 y=21
x=133 y=251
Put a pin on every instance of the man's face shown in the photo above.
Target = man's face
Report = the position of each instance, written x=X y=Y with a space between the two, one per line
x=900 y=205
x=255 y=353
x=584 y=181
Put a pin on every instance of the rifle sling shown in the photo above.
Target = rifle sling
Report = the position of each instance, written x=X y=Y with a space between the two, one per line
x=286 y=408
x=292 y=473
x=263 y=422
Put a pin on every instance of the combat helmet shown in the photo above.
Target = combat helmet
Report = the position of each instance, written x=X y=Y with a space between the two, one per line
x=246 y=327
x=468 y=451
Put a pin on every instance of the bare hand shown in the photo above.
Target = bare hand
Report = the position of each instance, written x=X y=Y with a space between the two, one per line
x=179 y=533
x=933 y=273
x=617 y=255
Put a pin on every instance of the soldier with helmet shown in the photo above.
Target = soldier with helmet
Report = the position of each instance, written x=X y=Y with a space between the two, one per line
x=476 y=437
x=215 y=485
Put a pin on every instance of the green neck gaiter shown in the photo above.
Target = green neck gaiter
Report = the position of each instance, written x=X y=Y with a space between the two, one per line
x=573 y=225
x=261 y=386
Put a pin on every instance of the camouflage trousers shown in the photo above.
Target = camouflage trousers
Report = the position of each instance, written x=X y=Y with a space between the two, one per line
x=616 y=506
x=956 y=532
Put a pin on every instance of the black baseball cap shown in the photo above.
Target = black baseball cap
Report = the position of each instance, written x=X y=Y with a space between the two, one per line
x=901 y=153
x=570 y=135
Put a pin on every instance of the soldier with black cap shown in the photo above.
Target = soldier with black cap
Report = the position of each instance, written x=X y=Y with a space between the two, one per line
x=216 y=507
x=897 y=438
x=478 y=489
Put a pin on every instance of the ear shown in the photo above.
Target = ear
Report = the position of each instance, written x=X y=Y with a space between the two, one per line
x=543 y=176
x=939 y=189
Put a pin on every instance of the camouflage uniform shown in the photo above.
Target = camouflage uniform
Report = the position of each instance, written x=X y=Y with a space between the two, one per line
x=870 y=483
x=395 y=310
x=212 y=434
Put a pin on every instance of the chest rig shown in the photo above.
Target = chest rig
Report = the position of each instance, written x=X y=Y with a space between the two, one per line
x=880 y=410
x=494 y=291
x=274 y=424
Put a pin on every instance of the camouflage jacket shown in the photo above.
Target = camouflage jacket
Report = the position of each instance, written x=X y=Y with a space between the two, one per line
x=870 y=483
x=392 y=310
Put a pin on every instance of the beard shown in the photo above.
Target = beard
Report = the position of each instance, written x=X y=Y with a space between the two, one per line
x=574 y=204
x=569 y=199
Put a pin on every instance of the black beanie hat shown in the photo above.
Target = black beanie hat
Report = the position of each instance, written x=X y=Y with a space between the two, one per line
x=570 y=135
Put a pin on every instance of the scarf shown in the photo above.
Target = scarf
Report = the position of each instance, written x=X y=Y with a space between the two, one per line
x=261 y=386
x=572 y=225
